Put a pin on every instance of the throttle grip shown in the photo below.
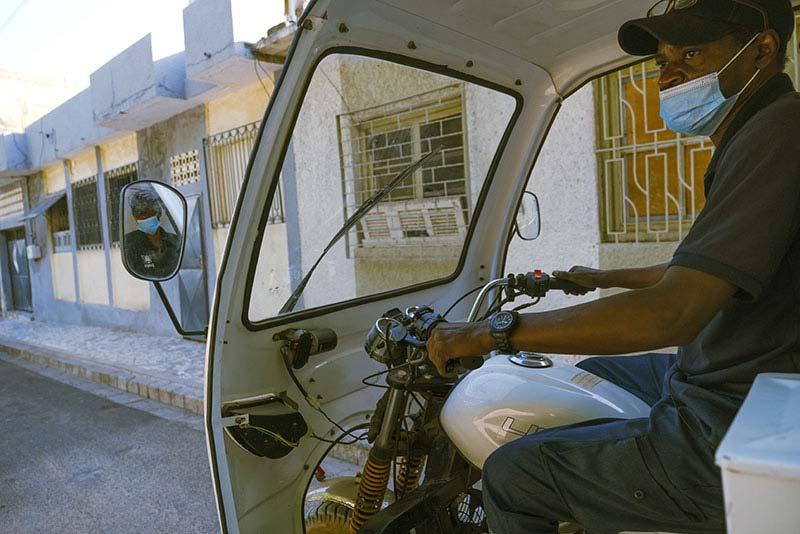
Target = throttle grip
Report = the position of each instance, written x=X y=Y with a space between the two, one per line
x=537 y=284
x=566 y=285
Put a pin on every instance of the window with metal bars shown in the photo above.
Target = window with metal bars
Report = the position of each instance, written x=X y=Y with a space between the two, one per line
x=58 y=216
x=116 y=179
x=85 y=204
x=431 y=205
x=651 y=179
x=227 y=154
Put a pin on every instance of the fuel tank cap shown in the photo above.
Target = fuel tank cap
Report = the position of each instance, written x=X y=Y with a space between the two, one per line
x=531 y=359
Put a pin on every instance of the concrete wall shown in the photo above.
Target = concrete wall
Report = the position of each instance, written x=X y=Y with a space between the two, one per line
x=129 y=293
x=118 y=152
x=92 y=276
x=65 y=130
x=565 y=180
x=53 y=178
x=241 y=107
x=271 y=283
x=63 y=276
x=219 y=237
x=83 y=164
x=319 y=183
x=157 y=143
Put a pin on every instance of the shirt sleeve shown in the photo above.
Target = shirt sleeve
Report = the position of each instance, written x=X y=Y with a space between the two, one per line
x=751 y=215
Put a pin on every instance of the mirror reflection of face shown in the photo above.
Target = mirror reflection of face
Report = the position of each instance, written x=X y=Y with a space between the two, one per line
x=145 y=213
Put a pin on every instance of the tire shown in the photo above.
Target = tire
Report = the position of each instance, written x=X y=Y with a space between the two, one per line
x=329 y=517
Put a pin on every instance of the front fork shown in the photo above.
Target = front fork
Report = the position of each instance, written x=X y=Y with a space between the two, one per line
x=375 y=476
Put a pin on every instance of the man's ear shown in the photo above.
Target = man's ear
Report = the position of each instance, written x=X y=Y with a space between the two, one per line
x=768 y=45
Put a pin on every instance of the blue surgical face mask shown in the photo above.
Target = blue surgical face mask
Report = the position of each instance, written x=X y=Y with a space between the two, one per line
x=698 y=106
x=149 y=225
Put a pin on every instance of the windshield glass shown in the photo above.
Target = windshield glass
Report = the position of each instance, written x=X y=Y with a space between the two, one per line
x=399 y=153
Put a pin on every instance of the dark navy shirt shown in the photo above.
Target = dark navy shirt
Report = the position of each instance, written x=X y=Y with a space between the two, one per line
x=748 y=234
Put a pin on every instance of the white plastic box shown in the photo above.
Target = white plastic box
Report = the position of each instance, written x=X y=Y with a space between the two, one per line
x=760 y=459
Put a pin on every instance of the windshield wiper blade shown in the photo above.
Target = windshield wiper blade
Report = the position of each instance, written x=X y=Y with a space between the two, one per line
x=353 y=219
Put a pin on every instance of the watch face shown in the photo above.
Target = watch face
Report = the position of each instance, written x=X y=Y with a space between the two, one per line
x=502 y=320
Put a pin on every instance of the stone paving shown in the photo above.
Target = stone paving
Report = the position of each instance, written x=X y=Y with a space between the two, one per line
x=166 y=369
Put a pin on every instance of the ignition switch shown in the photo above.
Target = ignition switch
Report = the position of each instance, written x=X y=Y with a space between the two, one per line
x=300 y=344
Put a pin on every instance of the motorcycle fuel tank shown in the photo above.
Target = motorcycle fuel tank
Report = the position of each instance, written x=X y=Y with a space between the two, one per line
x=503 y=401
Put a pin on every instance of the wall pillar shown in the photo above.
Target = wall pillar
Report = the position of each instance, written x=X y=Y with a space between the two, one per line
x=104 y=225
x=73 y=236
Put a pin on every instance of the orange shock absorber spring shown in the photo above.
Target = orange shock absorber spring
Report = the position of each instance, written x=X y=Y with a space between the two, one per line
x=371 y=489
x=409 y=473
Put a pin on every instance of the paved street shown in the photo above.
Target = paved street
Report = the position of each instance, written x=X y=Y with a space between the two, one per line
x=72 y=461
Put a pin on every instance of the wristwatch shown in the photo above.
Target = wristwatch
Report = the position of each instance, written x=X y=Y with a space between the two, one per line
x=501 y=324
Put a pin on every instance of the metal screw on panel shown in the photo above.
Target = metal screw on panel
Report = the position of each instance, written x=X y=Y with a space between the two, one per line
x=412 y=45
x=517 y=82
x=470 y=63
x=343 y=28
x=638 y=494
x=308 y=25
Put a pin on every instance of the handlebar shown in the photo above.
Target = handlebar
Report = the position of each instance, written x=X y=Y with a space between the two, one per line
x=534 y=284
x=401 y=336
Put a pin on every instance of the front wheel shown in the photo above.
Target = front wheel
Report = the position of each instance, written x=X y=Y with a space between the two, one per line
x=328 y=517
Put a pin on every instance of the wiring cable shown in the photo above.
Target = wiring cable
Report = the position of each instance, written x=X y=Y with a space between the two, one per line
x=528 y=305
x=456 y=303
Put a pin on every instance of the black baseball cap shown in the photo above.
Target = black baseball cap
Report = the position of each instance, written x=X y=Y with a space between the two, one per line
x=690 y=22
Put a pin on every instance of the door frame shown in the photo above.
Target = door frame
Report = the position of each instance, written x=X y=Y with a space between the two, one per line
x=317 y=34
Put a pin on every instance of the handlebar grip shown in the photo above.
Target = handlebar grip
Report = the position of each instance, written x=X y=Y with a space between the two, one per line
x=566 y=285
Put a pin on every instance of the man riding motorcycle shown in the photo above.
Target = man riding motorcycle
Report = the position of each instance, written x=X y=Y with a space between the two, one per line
x=729 y=298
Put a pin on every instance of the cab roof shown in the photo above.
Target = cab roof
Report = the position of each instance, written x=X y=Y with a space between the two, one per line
x=567 y=38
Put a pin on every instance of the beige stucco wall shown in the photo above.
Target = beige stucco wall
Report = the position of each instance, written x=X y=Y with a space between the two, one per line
x=129 y=293
x=235 y=109
x=53 y=178
x=63 y=276
x=92 y=276
x=119 y=152
x=271 y=282
x=84 y=164
x=565 y=180
x=219 y=236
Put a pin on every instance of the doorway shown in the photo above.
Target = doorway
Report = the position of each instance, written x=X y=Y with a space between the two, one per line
x=18 y=272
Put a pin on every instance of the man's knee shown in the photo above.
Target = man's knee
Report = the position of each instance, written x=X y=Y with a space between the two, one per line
x=513 y=468
x=595 y=365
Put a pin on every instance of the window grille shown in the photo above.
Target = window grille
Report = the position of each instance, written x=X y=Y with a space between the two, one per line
x=87 y=214
x=184 y=168
x=431 y=205
x=58 y=216
x=651 y=179
x=227 y=155
x=62 y=241
x=11 y=202
x=116 y=179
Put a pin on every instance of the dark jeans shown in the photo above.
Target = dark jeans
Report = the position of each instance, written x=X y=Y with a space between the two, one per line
x=610 y=475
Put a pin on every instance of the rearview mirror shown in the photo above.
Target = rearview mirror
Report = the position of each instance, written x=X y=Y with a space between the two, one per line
x=153 y=217
x=528 y=225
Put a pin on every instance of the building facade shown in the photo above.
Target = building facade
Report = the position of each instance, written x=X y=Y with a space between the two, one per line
x=616 y=188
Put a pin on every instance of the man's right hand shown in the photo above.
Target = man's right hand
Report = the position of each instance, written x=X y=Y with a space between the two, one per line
x=584 y=276
x=637 y=278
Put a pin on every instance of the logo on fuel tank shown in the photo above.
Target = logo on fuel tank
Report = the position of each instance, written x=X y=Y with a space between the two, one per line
x=510 y=426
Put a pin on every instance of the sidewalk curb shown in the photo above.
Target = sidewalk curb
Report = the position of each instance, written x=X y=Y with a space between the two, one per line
x=149 y=387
